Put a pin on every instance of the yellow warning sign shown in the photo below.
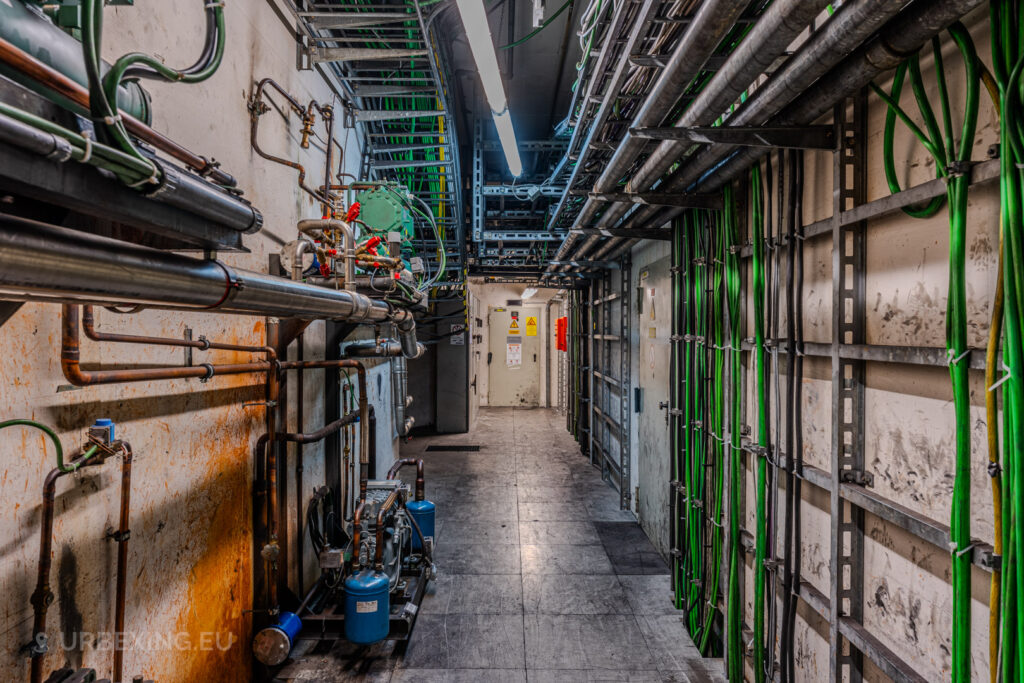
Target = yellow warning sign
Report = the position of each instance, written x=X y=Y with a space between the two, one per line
x=513 y=328
x=531 y=326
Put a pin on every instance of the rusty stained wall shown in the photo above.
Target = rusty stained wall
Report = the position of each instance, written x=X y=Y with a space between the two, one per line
x=191 y=547
x=909 y=442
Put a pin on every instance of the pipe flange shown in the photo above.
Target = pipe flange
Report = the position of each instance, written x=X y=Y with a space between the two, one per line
x=209 y=372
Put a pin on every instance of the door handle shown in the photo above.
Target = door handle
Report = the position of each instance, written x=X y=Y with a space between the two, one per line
x=663 y=405
x=534 y=358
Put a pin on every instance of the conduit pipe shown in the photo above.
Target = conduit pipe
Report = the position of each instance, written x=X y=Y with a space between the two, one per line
x=709 y=26
x=780 y=25
x=78 y=97
x=901 y=38
x=89 y=269
x=121 y=537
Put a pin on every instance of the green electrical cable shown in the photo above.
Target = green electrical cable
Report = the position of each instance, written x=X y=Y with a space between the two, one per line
x=941 y=145
x=540 y=28
x=734 y=633
x=49 y=432
x=760 y=373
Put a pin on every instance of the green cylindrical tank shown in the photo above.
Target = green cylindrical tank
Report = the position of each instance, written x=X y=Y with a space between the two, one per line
x=28 y=29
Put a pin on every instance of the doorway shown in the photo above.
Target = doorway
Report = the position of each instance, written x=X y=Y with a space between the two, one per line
x=513 y=358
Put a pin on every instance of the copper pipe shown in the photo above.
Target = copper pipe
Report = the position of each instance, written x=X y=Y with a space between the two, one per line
x=357 y=531
x=63 y=86
x=42 y=596
x=378 y=550
x=89 y=327
x=323 y=432
x=420 y=482
x=122 y=536
x=70 y=356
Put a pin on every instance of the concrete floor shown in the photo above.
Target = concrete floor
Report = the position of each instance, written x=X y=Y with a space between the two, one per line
x=540 y=576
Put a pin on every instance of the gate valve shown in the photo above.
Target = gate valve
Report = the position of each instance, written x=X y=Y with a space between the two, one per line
x=325 y=269
x=353 y=212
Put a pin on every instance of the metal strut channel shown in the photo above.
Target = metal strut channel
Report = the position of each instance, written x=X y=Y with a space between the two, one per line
x=848 y=314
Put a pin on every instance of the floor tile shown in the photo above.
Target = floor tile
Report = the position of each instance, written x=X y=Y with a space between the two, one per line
x=649 y=595
x=459 y=676
x=586 y=642
x=566 y=533
x=477 y=558
x=466 y=641
x=565 y=559
x=479 y=594
x=485 y=531
x=537 y=511
x=551 y=594
x=669 y=642
x=593 y=676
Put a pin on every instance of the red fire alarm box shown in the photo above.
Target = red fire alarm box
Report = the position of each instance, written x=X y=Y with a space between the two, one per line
x=562 y=333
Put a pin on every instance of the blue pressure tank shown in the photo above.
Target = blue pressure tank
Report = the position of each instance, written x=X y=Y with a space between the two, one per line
x=367 y=607
x=272 y=645
x=423 y=512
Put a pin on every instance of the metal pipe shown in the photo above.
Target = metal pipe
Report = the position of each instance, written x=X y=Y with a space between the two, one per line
x=42 y=596
x=420 y=480
x=357 y=531
x=781 y=23
x=122 y=536
x=89 y=327
x=900 y=38
x=302 y=245
x=77 y=97
x=271 y=550
x=313 y=226
x=90 y=269
x=378 y=550
x=385 y=349
x=34 y=140
x=323 y=432
x=709 y=25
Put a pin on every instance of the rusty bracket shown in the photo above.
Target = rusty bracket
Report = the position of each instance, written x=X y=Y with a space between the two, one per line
x=119 y=536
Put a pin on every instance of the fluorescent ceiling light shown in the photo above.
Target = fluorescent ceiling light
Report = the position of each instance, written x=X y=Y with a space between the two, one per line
x=529 y=292
x=478 y=32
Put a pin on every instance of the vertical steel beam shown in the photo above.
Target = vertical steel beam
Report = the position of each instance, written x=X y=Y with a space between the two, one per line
x=848 y=294
x=625 y=491
x=479 y=209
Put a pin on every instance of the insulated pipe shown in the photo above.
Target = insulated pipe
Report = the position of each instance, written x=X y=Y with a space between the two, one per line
x=709 y=26
x=420 y=480
x=357 y=531
x=901 y=38
x=95 y=270
x=77 y=97
x=313 y=226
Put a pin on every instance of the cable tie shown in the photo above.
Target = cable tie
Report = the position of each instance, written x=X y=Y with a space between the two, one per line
x=954 y=361
x=111 y=120
x=960 y=553
x=151 y=179
x=88 y=150
x=213 y=5
x=1002 y=379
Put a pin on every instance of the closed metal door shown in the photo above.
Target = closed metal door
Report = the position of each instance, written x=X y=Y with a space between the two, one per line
x=513 y=371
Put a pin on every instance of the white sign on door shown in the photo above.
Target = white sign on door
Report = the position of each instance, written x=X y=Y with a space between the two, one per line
x=514 y=356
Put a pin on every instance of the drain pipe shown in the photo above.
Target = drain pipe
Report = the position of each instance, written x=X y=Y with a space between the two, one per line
x=902 y=37
x=41 y=262
x=710 y=24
